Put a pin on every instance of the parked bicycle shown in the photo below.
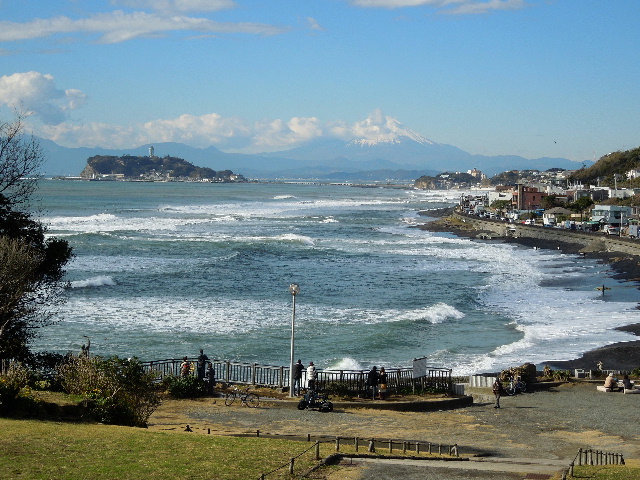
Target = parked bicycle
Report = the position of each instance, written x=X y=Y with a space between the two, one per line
x=246 y=398
x=514 y=385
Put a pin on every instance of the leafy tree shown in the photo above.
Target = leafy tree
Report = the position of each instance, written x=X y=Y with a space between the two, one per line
x=118 y=391
x=581 y=204
x=31 y=266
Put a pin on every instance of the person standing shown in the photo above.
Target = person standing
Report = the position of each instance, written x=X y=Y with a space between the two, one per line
x=202 y=361
x=382 y=383
x=297 y=377
x=497 y=391
x=372 y=381
x=311 y=376
x=185 y=367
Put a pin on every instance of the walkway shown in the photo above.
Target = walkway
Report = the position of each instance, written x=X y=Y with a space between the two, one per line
x=475 y=468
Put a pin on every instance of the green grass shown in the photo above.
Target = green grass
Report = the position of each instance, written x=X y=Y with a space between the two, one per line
x=631 y=471
x=33 y=449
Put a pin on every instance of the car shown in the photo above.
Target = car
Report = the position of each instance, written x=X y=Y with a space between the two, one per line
x=613 y=231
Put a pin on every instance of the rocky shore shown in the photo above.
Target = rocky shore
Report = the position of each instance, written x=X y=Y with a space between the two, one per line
x=618 y=356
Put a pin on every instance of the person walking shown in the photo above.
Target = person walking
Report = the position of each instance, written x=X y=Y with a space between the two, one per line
x=372 y=381
x=202 y=361
x=297 y=377
x=497 y=391
x=311 y=376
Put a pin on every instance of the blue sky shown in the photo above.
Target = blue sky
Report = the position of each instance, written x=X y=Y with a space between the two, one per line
x=527 y=77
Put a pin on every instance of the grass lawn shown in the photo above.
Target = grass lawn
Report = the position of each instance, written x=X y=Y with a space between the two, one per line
x=35 y=449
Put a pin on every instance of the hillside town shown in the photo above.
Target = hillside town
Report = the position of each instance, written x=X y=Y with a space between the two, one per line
x=553 y=199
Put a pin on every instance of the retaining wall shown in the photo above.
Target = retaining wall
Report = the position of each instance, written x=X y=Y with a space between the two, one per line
x=592 y=241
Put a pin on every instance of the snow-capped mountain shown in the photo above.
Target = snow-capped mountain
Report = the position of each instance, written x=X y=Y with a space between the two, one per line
x=391 y=132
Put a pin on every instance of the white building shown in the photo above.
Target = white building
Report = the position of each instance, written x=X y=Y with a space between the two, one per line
x=610 y=214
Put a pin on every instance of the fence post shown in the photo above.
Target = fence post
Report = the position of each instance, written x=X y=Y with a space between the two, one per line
x=404 y=447
x=337 y=444
x=454 y=450
x=317 y=450
x=417 y=447
x=372 y=447
x=291 y=462
x=429 y=448
x=390 y=446
x=254 y=367
x=571 y=469
x=280 y=384
x=580 y=456
x=227 y=371
x=355 y=441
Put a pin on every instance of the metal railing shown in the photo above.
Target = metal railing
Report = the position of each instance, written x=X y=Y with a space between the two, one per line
x=278 y=376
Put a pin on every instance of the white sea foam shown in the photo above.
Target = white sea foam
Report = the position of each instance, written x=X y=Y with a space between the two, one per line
x=94 y=282
x=346 y=363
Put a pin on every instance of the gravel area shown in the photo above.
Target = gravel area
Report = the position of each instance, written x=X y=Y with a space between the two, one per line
x=552 y=423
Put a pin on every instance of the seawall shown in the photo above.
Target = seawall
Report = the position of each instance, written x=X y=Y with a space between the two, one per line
x=586 y=241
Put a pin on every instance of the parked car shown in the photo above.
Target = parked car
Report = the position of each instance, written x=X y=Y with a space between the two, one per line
x=613 y=231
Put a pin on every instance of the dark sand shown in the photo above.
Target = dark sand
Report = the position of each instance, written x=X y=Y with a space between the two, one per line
x=624 y=267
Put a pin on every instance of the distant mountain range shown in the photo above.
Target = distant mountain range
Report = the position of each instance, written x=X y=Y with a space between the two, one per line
x=397 y=154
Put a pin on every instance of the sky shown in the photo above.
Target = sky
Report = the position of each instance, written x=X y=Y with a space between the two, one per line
x=536 y=78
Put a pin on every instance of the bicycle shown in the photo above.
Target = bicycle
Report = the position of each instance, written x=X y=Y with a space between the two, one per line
x=515 y=385
x=246 y=398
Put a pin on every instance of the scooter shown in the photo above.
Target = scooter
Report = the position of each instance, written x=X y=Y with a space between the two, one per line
x=314 y=400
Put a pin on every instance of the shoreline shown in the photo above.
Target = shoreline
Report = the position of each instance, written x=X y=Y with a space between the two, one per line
x=616 y=356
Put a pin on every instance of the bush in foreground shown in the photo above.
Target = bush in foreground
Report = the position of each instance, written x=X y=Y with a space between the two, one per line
x=118 y=391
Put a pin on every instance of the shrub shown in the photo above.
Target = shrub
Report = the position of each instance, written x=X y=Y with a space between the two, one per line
x=16 y=379
x=561 y=375
x=185 y=387
x=118 y=391
x=338 y=389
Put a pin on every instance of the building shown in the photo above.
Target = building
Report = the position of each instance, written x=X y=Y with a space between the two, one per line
x=527 y=198
x=610 y=214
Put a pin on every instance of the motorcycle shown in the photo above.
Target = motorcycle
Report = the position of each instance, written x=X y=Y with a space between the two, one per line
x=313 y=400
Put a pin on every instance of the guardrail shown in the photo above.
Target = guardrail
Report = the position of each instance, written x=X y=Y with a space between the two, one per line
x=278 y=377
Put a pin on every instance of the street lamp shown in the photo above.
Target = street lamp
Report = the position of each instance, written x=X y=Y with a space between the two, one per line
x=294 y=289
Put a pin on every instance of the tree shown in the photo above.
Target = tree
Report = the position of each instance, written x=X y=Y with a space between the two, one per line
x=20 y=159
x=31 y=266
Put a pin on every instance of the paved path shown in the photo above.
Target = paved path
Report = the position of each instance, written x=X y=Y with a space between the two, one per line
x=476 y=469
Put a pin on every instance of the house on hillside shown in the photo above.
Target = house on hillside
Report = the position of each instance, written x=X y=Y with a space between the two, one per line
x=555 y=215
x=610 y=214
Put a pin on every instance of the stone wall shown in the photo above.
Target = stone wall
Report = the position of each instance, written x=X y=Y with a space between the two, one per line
x=593 y=241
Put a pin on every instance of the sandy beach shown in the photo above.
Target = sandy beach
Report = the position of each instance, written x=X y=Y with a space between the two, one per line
x=617 y=356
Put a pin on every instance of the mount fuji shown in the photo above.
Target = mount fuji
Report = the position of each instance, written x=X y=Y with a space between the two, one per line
x=378 y=148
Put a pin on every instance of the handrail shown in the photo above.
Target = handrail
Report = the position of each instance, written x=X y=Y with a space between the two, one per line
x=278 y=376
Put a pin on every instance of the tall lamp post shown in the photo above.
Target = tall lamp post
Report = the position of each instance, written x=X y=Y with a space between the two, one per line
x=294 y=289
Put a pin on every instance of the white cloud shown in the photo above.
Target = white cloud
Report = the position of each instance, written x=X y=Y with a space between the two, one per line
x=119 y=26
x=313 y=24
x=37 y=94
x=457 y=7
x=171 y=6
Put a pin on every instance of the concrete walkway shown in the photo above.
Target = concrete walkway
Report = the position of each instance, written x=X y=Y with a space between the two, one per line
x=474 y=468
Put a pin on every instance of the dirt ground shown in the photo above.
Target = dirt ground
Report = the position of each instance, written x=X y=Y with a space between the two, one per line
x=551 y=424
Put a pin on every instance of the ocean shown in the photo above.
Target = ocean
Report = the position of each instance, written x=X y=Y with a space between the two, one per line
x=164 y=269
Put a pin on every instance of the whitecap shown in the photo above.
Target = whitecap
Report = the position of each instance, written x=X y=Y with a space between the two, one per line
x=94 y=282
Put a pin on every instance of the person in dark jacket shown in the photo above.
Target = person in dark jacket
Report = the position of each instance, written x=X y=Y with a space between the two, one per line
x=497 y=391
x=372 y=381
x=297 y=377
